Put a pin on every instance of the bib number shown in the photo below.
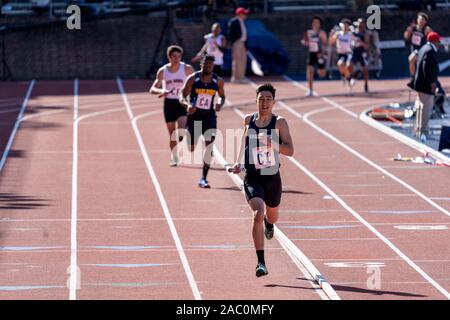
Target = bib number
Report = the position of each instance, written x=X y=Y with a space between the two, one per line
x=263 y=157
x=313 y=46
x=416 y=40
x=203 y=101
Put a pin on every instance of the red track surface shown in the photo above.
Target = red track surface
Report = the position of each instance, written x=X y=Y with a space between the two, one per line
x=124 y=246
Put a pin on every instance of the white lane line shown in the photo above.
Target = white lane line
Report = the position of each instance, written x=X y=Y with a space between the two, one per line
x=16 y=126
x=369 y=162
x=73 y=223
x=401 y=137
x=375 y=124
x=297 y=256
x=355 y=214
x=73 y=280
x=162 y=200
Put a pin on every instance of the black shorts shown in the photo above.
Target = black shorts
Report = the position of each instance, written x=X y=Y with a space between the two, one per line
x=205 y=126
x=314 y=60
x=268 y=188
x=359 y=56
x=173 y=110
x=345 y=57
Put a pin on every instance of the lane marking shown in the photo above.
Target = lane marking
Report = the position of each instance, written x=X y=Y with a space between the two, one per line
x=354 y=264
x=422 y=228
x=297 y=256
x=21 y=288
x=74 y=208
x=130 y=265
x=73 y=220
x=162 y=200
x=16 y=126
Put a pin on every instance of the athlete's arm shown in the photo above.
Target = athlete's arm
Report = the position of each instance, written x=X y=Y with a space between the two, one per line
x=366 y=43
x=157 y=85
x=408 y=32
x=221 y=92
x=304 y=39
x=236 y=168
x=188 y=69
x=427 y=30
x=223 y=42
x=286 y=146
x=323 y=37
x=333 y=38
x=185 y=92
x=198 y=56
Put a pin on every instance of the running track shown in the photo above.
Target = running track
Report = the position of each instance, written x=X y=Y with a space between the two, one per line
x=90 y=209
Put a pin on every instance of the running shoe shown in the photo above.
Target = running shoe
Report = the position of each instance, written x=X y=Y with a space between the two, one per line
x=268 y=230
x=173 y=162
x=366 y=88
x=309 y=93
x=203 y=183
x=423 y=138
x=352 y=82
x=261 y=270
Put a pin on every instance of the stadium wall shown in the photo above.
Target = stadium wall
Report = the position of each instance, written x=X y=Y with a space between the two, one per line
x=124 y=46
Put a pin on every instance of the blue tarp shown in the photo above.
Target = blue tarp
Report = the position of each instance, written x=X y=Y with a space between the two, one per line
x=264 y=46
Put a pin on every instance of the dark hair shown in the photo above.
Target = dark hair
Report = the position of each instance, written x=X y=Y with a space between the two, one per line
x=317 y=18
x=207 y=57
x=423 y=15
x=174 y=48
x=266 y=87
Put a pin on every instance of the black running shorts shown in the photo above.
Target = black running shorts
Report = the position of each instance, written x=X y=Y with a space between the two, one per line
x=266 y=187
x=205 y=126
x=173 y=110
x=314 y=60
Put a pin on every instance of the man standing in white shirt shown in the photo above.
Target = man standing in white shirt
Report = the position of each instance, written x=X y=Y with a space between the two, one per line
x=237 y=33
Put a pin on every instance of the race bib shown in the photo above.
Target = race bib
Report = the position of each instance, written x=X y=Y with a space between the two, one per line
x=174 y=93
x=416 y=40
x=203 y=101
x=263 y=157
x=313 y=46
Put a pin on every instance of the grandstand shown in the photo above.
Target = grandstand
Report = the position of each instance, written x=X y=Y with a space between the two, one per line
x=96 y=7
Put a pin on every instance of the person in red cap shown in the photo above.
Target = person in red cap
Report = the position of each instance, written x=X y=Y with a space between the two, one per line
x=416 y=35
x=237 y=36
x=425 y=82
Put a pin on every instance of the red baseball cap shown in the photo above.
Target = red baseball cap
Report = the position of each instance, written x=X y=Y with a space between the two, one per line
x=241 y=10
x=433 y=37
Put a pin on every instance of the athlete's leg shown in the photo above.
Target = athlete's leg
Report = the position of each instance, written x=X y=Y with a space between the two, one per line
x=366 y=78
x=171 y=126
x=412 y=60
x=310 y=76
x=272 y=214
x=207 y=156
x=257 y=205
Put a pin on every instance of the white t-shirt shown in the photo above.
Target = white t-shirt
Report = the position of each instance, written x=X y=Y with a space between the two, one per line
x=212 y=47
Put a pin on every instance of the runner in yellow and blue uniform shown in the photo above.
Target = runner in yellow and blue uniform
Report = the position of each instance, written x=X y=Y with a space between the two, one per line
x=201 y=87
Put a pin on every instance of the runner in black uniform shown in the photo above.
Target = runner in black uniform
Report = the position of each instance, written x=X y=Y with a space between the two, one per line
x=201 y=87
x=416 y=35
x=265 y=136
x=316 y=41
x=361 y=44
